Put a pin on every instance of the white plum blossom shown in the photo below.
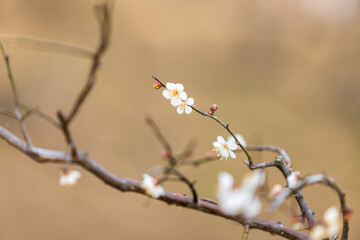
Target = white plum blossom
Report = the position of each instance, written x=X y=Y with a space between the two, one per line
x=69 y=177
x=318 y=232
x=235 y=201
x=152 y=187
x=239 y=137
x=332 y=221
x=293 y=179
x=330 y=226
x=175 y=93
x=224 y=149
x=185 y=106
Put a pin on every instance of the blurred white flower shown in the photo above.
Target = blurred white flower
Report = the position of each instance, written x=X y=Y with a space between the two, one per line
x=330 y=227
x=235 y=201
x=69 y=177
x=185 y=105
x=239 y=137
x=151 y=186
x=224 y=149
x=293 y=179
x=332 y=220
x=276 y=190
x=318 y=232
x=175 y=93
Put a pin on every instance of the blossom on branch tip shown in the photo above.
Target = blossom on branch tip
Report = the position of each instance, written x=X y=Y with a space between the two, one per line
x=185 y=106
x=239 y=137
x=224 y=149
x=293 y=179
x=69 y=177
x=152 y=187
x=175 y=93
x=242 y=200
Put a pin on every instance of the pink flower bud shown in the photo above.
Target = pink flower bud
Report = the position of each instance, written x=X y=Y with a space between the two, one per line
x=214 y=107
x=157 y=85
x=165 y=154
x=210 y=112
x=348 y=214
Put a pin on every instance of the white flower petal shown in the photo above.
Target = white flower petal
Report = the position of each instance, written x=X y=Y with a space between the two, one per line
x=183 y=95
x=190 y=101
x=239 y=137
x=188 y=109
x=232 y=154
x=252 y=207
x=216 y=144
x=224 y=153
x=179 y=87
x=220 y=140
x=226 y=182
x=231 y=145
x=331 y=215
x=175 y=101
x=318 y=232
x=166 y=94
x=170 y=86
x=180 y=110
x=253 y=181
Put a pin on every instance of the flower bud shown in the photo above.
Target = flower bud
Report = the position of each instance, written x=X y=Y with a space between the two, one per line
x=347 y=214
x=157 y=85
x=214 y=107
x=210 y=112
x=165 y=154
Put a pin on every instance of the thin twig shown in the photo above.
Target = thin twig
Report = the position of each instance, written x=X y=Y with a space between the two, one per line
x=104 y=21
x=7 y=113
x=17 y=111
x=31 y=111
x=46 y=45
x=246 y=232
x=156 y=130
x=187 y=181
x=226 y=126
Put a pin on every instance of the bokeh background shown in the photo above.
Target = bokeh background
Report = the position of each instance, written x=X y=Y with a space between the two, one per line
x=284 y=73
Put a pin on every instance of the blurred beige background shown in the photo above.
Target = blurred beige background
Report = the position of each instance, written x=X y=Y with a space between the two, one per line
x=284 y=73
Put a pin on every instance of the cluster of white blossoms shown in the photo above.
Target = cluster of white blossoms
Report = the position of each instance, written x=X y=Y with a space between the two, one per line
x=330 y=226
x=152 y=187
x=224 y=149
x=178 y=98
x=69 y=177
x=242 y=200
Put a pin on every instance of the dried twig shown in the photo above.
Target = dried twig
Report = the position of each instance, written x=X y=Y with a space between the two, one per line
x=17 y=112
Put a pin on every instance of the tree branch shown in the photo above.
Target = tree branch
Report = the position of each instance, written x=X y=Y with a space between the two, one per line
x=127 y=185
